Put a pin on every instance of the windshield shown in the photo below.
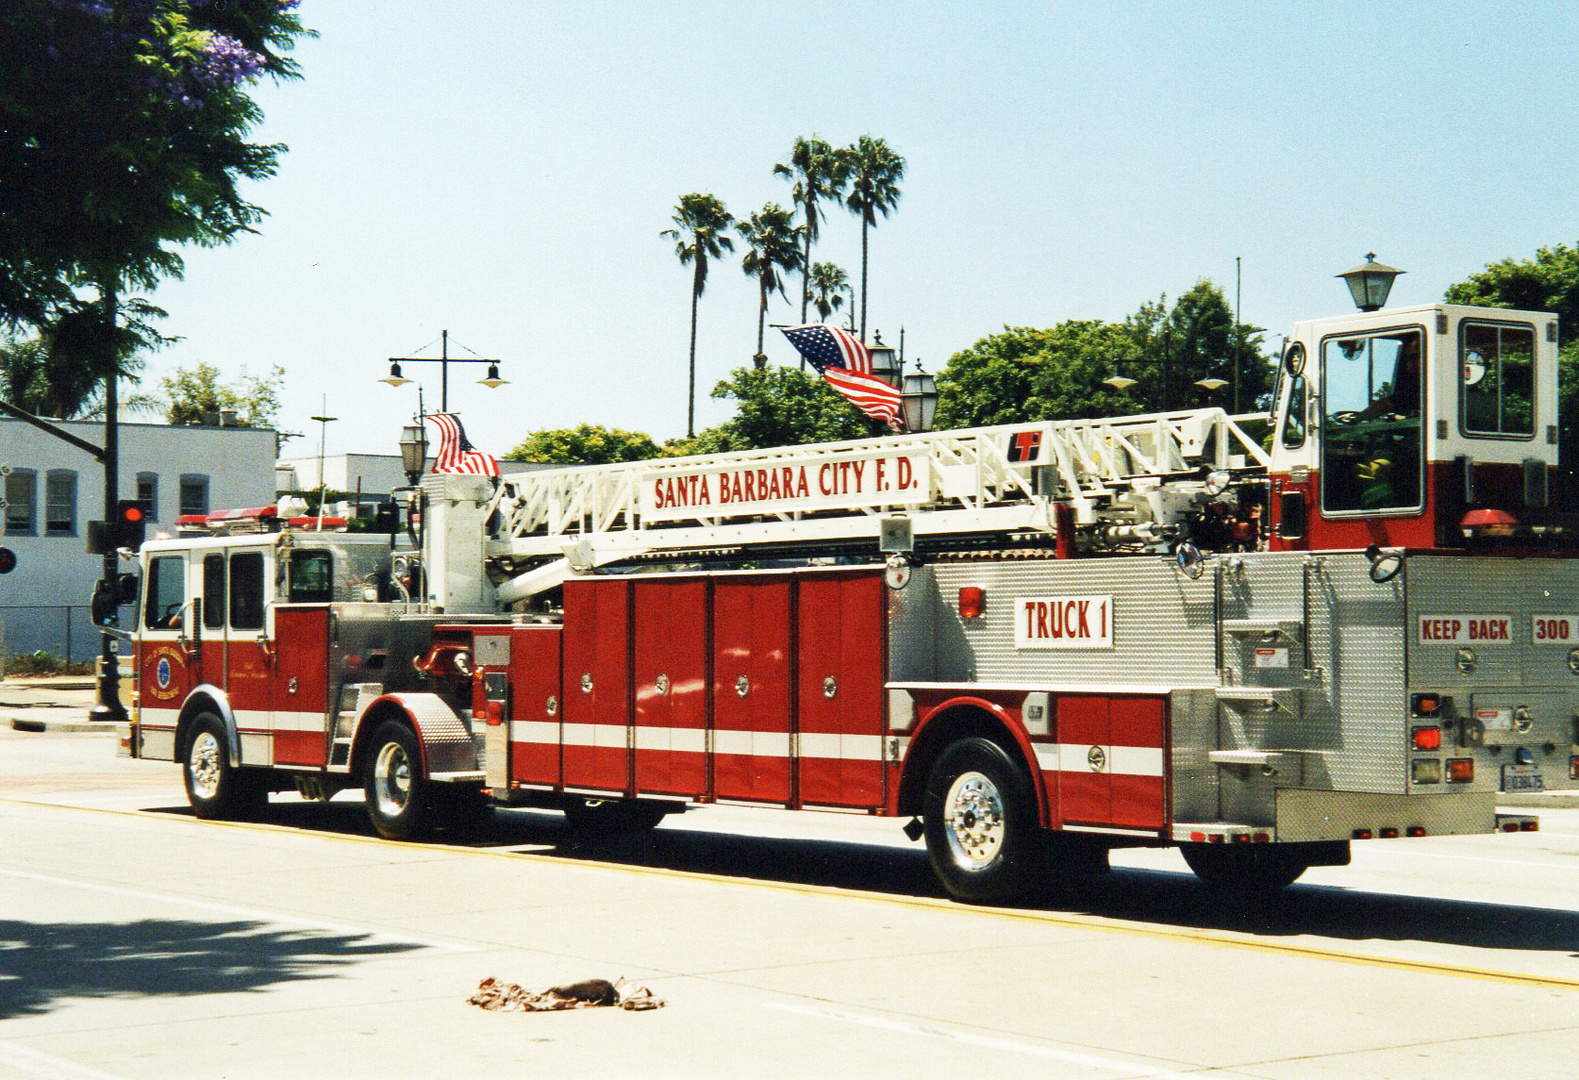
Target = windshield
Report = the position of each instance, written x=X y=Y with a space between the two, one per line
x=1372 y=423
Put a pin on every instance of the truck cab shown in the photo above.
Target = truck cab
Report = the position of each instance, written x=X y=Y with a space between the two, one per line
x=1425 y=427
x=240 y=626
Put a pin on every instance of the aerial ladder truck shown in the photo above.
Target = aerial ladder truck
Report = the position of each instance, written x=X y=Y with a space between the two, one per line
x=1260 y=639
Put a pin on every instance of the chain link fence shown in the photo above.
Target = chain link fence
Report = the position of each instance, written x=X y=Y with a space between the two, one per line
x=66 y=630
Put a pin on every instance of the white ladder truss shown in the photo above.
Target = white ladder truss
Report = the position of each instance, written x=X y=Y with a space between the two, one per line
x=973 y=481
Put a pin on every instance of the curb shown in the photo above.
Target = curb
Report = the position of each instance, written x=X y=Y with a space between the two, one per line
x=32 y=724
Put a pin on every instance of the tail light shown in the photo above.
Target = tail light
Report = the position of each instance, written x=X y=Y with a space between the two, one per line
x=1573 y=767
x=1460 y=770
x=1425 y=771
x=1426 y=704
x=971 y=599
x=1427 y=738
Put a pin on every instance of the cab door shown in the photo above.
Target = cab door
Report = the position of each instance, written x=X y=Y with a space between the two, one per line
x=249 y=654
x=165 y=656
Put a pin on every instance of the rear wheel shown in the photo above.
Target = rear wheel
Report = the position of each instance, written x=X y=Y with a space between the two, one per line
x=980 y=823
x=217 y=789
x=399 y=798
x=1246 y=869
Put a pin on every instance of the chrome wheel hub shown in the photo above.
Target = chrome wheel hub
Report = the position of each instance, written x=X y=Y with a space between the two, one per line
x=392 y=780
x=973 y=821
x=202 y=765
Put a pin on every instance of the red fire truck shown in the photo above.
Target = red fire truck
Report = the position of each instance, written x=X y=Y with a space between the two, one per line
x=1036 y=642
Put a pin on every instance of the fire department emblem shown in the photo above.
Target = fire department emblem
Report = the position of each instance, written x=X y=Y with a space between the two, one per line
x=1096 y=758
x=165 y=664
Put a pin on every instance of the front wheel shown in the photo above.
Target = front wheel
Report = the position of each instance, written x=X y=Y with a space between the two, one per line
x=981 y=829
x=399 y=801
x=218 y=789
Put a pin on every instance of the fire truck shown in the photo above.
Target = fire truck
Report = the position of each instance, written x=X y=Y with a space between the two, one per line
x=1355 y=617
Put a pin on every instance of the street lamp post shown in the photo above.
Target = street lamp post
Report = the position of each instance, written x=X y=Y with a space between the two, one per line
x=492 y=381
x=1370 y=282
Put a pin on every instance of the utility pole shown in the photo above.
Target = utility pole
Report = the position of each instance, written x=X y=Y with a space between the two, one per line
x=108 y=706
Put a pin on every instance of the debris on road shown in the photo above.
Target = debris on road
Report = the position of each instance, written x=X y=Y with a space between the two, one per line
x=588 y=994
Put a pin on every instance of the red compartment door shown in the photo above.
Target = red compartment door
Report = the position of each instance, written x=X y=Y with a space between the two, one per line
x=751 y=689
x=535 y=704
x=839 y=652
x=297 y=675
x=596 y=700
x=1112 y=757
x=671 y=682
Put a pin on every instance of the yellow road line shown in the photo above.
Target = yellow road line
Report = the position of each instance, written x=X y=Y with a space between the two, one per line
x=1084 y=922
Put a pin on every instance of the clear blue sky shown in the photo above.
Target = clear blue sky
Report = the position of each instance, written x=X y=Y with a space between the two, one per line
x=502 y=168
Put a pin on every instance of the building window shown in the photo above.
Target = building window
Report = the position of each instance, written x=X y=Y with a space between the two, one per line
x=194 y=495
x=148 y=494
x=21 y=496
x=60 y=503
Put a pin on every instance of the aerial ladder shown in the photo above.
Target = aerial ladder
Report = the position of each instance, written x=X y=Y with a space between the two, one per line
x=1115 y=483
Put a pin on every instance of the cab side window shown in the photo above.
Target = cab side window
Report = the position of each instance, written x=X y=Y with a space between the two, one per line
x=1497 y=380
x=1294 y=426
x=246 y=590
x=164 y=593
x=214 y=592
x=312 y=577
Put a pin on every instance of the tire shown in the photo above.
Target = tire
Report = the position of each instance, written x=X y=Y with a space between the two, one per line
x=611 y=819
x=1245 y=870
x=983 y=838
x=400 y=801
x=218 y=790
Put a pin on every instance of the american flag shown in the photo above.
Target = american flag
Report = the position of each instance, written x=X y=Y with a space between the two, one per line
x=456 y=453
x=847 y=366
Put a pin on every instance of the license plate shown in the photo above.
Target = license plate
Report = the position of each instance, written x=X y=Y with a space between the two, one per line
x=1520 y=781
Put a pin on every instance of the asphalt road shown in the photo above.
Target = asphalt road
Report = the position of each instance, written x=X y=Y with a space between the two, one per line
x=138 y=942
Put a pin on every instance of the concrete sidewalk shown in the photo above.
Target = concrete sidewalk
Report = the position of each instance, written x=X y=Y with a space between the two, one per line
x=58 y=704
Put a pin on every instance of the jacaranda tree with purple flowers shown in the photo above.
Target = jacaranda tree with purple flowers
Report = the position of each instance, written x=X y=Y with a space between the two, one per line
x=123 y=135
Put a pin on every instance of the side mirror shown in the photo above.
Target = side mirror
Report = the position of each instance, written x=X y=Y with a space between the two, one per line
x=126 y=589
x=1384 y=565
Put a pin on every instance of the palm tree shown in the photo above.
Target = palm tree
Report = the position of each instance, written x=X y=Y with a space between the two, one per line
x=818 y=172
x=828 y=284
x=874 y=172
x=699 y=235
x=773 y=242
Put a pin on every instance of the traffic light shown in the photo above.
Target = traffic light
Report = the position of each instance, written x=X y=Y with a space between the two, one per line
x=7 y=560
x=131 y=524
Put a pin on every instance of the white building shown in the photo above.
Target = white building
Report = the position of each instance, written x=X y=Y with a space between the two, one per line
x=374 y=475
x=54 y=489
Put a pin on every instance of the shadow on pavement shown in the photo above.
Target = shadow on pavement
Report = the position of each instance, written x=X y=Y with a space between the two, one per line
x=1142 y=896
x=42 y=963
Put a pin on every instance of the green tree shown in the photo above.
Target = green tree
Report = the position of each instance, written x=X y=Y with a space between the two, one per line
x=776 y=406
x=772 y=247
x=1061 y=373
x=1025 y=373
x=818 y=174
x=700 y=235
x=828 y=285
x=1548 y=282
x=59 y=374
x=195 y=395
x=122 y=134
x=1194 y=340
x=873 y=171
x=585 y=444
